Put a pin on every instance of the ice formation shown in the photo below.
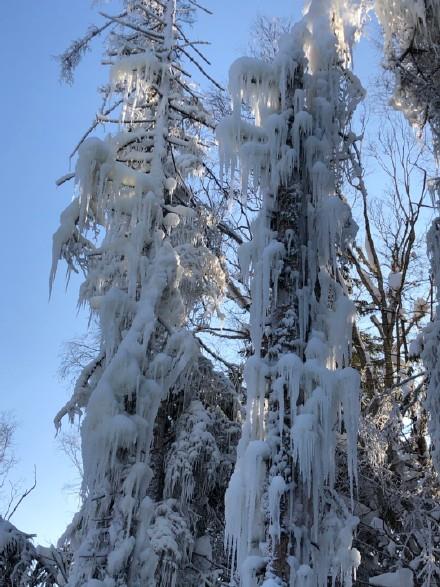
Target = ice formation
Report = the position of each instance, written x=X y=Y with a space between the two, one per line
x=285 y=523
x=395 y=280
x=145 y=272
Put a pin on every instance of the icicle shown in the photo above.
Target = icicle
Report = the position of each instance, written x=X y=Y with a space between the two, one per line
x=348 y=381
x=253 y=81
x=277 y=488
x=304 y=440
x=255 y=374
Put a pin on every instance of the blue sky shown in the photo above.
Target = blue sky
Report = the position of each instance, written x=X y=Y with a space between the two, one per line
x=42 y=121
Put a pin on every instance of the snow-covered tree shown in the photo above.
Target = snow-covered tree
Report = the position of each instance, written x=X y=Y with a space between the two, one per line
x=157 y=434
x=285 y=522
x=24 y=565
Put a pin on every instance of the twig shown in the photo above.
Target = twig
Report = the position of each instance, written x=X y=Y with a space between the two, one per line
x=421 y=374
x=65 y=178
x=151 y=14
x=193 y=47
x=93 y=126
x=230 y=366
x=200 y=68
x=194 y=3
x=236 y=295
x=24 y=495
x=191 y=116
x=118 y=20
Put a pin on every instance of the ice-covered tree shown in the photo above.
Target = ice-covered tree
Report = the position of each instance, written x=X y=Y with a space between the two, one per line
x=285 y=522
x=157 y=433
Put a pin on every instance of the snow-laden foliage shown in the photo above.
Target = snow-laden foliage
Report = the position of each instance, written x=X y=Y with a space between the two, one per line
x=24 y=565
x=149 y=431
x=17 y=554
x=285 y=523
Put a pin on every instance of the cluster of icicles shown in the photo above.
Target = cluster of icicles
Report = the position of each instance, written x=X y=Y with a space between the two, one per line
x=294 y=138
x=399 y=19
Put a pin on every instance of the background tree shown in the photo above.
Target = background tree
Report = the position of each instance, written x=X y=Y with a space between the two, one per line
x=7 y=457
x=21 y=563
x=396 y=502
x=24 y=565
x=411 y=39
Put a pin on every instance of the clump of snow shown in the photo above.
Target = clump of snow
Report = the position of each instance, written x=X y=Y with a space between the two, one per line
x=395 y=280
x=171 y=184
x=400 y=578
x=171 y=220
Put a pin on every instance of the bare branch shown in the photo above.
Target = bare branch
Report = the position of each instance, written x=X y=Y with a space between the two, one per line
x=23 y=496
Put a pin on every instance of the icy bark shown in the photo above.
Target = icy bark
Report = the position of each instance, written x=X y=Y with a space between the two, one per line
x=146 y=271
x=285 y=523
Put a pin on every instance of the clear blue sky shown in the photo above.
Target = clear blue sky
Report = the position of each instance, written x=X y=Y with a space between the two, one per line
x=42 y=120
